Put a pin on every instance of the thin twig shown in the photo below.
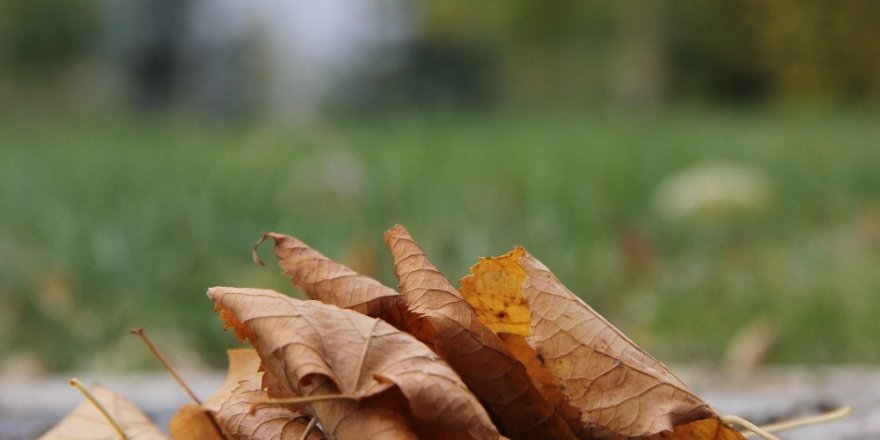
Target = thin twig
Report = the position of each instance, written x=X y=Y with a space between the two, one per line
x=91 y=398
x=309 y=428
x=140 y=332
x=165 y=363
x=737 y=420
x=827 y=417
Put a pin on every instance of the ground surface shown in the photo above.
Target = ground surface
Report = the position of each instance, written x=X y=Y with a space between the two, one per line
x=28 y=407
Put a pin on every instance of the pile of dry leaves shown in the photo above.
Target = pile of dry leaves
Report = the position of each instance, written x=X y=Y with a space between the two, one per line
x=511 y=354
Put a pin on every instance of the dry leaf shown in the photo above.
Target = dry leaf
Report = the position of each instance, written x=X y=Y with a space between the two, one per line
x=476 y=353
x=331 y=282
x=704 y=429
x=241 y=421
x=244 y=365
x=85 y=422
x=318 y=349
x=619 y=390
x=323 y=279
x=194 y=421
x=232 y=404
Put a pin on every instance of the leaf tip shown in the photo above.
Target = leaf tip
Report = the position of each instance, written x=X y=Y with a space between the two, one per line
x=213 y=293
x=396 y=230
x=256 y=255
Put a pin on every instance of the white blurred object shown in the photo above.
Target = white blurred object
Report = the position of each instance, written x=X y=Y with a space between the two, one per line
x=713 y=190
x=311 y=45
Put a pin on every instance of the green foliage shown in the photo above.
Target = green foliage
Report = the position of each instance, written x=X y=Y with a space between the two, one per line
x=38 y=37
x=740 y=51
x=109 y=225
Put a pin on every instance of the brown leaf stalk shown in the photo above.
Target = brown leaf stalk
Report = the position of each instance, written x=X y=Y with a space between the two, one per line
x=140 y=333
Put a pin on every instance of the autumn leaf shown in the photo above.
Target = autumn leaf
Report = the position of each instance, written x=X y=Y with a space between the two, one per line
x=334 y=283
x=473 y=350
x=233 y=404
x=240 y=420
x=704 y=429
x=85 y=422
x=193 y=421
x=323 y=279
x=200 y=421
x=396 y=386
x=618 y=389
x=244 y=365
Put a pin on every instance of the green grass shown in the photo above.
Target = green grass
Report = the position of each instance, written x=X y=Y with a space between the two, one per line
x=108 y=224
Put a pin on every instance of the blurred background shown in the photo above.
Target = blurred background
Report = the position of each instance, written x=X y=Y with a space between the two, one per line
x=704 y=174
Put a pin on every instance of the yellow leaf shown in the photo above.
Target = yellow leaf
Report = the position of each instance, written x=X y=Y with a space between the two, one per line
x=618 y=389
x=494 y=293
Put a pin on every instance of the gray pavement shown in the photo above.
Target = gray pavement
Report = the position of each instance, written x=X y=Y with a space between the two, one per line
x=30 y=406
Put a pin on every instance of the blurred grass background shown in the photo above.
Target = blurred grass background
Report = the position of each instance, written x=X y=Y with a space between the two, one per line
x=116 y=214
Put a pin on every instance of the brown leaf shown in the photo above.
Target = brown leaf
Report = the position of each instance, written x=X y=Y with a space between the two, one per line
x=241 y=421
x=704 y=429
x=233 y=403
x=401 y=388
x=85 y=422
x=244 y=365
x=323 y=279
x=331 y=282
x=619 y=390
x=192 y=421
x=476 y=353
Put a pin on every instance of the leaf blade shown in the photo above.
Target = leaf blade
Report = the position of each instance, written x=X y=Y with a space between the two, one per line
x=313 y=348
x=475 y=352
x=86 y=423
x=618 y=388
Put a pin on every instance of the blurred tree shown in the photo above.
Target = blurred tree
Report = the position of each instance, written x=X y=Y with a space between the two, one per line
x=638 y=53
x=154 y=57
x=820 y=50
x=641 y=52
x=784 y=49
x=41 y=37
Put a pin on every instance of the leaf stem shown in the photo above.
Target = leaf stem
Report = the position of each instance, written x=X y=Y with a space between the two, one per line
x=140 y=332
x=300 y=400
x=827 y=417
x=91 y=398
x=312 y=423
x=737 y=420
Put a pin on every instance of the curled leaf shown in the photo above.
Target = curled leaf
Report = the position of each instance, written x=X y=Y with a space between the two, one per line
x=473 y=350
x=334 y=283
x=244 y=365
x=323 y=279
x=396 y=386
x=192 y=421
x=201 y=421
x=240 y=420
x=618 y=389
